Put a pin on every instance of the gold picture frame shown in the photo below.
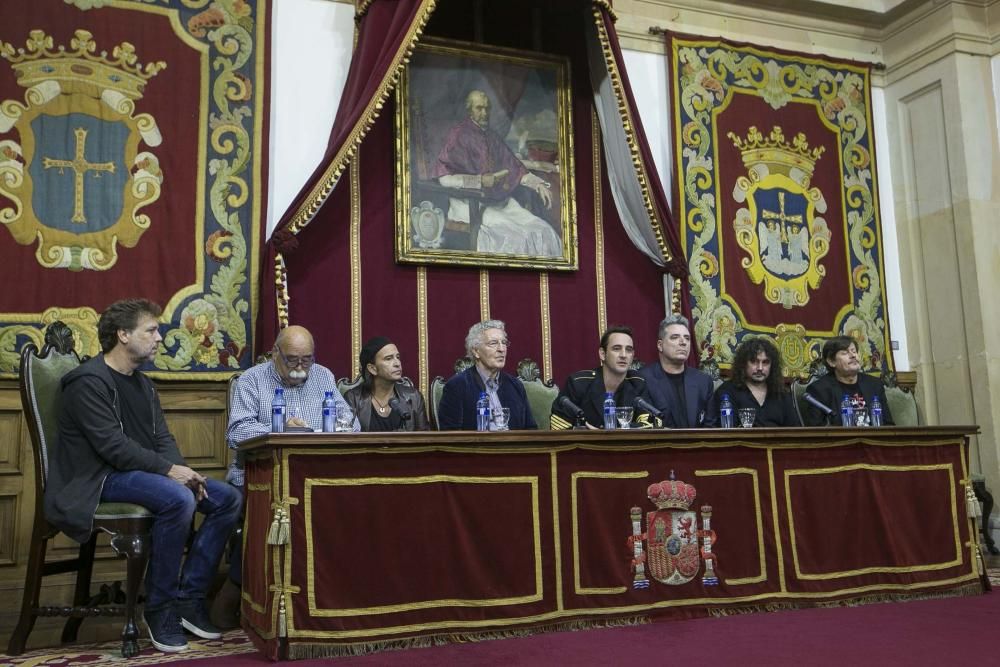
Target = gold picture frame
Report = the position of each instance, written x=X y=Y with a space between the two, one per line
x=484 y=159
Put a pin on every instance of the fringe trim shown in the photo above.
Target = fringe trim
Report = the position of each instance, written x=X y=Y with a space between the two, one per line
x=965 y=591
x=628 y=126
x=321 y=191
x=281 y=296
x=299 y=651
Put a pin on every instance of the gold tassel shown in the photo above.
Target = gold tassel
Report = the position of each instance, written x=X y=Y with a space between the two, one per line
x=972 y=505
x=274 y=531
x=284 y=529
x=282 y=617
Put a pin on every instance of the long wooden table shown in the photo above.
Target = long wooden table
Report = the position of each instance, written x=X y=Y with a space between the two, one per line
x=385 y=539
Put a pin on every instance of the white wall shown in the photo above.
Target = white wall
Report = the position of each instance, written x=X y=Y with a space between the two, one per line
x=306 y=84
x=311 y=44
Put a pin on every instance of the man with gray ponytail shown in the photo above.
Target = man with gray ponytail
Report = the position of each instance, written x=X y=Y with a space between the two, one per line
x=487 y=345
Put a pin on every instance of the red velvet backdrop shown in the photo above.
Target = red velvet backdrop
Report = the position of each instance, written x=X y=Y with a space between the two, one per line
x=159 y=268
x=319 y=274
x=133 y=149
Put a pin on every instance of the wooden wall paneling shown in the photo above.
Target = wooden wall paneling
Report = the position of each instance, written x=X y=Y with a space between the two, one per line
x=195 y=413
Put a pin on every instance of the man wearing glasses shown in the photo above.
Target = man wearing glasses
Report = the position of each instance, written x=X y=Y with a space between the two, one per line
x=487 y=345
x=293 y=367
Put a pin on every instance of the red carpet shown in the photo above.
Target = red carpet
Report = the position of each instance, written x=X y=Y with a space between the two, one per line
x=951 y=631
x=948 y=631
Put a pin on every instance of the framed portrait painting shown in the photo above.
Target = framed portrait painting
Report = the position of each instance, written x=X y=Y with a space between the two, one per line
x=484 y=159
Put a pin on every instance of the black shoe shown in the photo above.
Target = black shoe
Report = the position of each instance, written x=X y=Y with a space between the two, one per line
x=194 y=618
x=225 y=611
x=165 y=630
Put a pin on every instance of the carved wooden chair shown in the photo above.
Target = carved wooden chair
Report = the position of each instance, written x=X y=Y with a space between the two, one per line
x=541 y=394
x=129 y=525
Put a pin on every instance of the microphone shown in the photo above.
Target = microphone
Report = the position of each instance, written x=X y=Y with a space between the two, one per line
x=571 y=407
x=398 y=407
x=815 y=402
x=646 y=406
x=574 y=409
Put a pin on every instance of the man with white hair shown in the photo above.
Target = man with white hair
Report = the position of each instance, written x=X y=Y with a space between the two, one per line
x=487 y=345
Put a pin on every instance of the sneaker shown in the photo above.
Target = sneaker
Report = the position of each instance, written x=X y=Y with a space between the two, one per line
x=165 y=630
x=194 y=618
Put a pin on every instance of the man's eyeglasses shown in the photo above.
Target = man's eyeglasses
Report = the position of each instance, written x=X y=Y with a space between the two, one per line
x=295 y=362
x=496 y=343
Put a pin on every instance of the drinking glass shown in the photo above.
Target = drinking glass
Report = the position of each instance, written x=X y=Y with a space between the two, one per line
x=345 y=418
x=501 y=419
x=861 y=417
x=623 y=414
x=747 y=415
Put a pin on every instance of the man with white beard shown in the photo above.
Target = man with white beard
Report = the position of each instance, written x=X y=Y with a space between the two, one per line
x=292 y=367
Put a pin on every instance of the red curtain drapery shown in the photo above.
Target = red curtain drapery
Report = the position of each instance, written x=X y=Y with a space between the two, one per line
x=299 y=260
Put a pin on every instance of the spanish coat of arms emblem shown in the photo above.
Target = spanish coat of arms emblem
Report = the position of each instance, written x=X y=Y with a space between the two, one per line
x=672 y=547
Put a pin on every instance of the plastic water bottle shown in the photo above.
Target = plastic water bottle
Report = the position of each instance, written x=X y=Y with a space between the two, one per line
x=726 y=412
x=278 y=411
x=609 y=411
x=846 y=412
x=483 y=412
x=876 y=412
x=329 y=413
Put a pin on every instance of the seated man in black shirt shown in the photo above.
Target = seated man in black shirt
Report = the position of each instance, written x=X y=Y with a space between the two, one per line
x=587 y=389
x=844 y=379
x=756 y=383
x=114 y=446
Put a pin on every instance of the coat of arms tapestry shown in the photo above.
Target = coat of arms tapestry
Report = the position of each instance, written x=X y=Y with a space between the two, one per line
x=131 y=160
x=778 y=200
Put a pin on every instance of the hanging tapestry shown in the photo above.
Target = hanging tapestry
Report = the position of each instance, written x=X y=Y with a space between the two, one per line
x=132 y=149
x=778 y=200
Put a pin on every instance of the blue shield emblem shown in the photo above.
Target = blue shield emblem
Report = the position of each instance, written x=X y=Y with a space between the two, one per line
x=79 y=172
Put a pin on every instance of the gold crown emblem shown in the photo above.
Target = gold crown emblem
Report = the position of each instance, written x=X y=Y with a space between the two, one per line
x=774 y=150
x=80 y=70
x=671 y=494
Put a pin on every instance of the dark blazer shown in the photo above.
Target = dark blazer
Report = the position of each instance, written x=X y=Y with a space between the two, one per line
x=697 y=390
x=457 y=410
x=360 y=400
x=586 y=390
x=829 y=392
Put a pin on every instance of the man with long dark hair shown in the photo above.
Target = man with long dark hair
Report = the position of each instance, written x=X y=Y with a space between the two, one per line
x=756 y=383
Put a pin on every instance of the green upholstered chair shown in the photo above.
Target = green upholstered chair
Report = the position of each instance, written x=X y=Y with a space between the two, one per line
x=129 y=525
x=344 y=384
x=902 y=402
x=817 y=369
x=540 y=394
x=437 y=389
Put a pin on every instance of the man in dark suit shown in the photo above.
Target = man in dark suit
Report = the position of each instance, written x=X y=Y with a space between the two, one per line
x=587 y=389
x=487 y=345
x=844 y=378
x=681 y=392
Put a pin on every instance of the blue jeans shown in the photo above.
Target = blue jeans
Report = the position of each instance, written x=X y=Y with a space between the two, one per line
x=236 y=550
x=173 y=506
